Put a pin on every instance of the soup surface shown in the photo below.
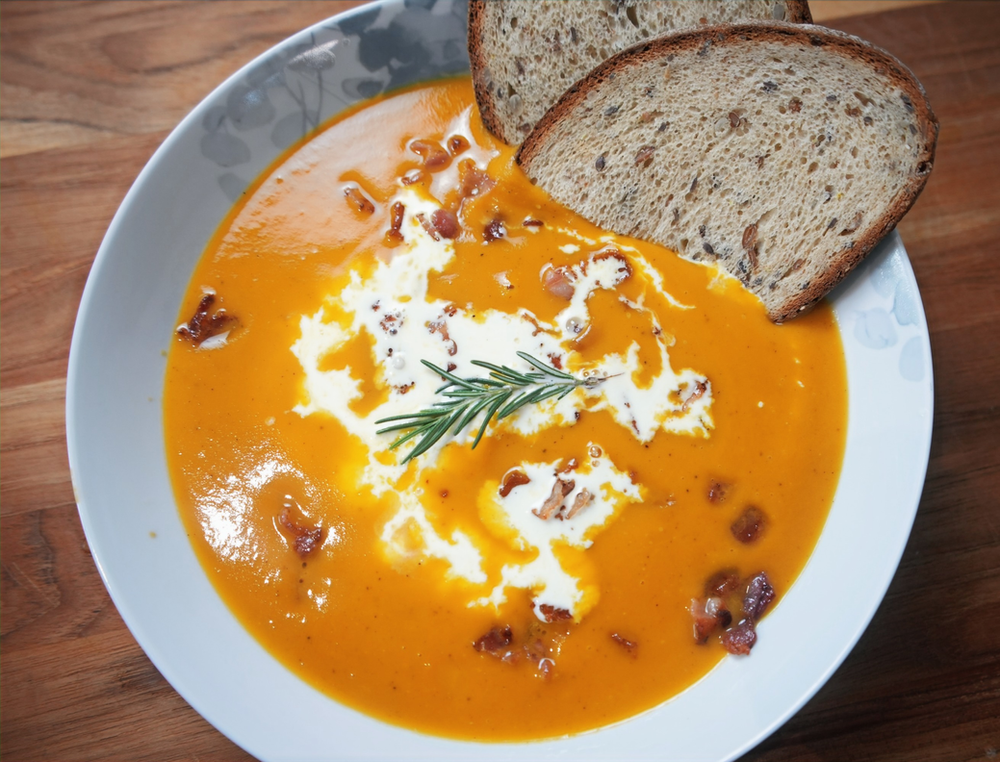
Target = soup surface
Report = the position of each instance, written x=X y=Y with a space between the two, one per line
x=590 y=557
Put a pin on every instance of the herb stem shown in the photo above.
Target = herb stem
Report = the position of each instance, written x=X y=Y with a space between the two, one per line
x=502 y=394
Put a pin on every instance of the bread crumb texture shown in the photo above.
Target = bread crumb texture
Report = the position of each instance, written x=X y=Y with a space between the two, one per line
x=526 y=53
x=783 y=155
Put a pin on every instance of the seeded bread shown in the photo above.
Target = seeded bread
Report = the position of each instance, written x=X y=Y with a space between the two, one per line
x=526 y=53
x=783 y=152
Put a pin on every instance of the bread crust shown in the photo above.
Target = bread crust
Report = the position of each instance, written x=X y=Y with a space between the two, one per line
x=482 y=12
x=477 y=64
x=842 y=261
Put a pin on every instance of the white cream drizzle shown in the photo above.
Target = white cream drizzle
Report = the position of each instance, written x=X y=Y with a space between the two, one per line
x=390 y=304
x=550 y=584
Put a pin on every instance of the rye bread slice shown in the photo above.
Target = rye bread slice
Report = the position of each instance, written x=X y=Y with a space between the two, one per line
x=783 y=152
x=525 y=54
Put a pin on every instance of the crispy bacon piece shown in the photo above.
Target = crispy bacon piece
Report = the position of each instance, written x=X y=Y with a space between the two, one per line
x=531 y=222
x=391 y=323
x=496 y=641
x=494 y=230
x=472 y=181
x=394 y=234
x=700 y=388
x=630 y=646
x=709 y=614
x=556 y=281
x=555 y=499
x=457 y=144
x=758 y=597
x=441 y=327
x=722 y=583
x=582 y=500
x=434 y=156
x=428 y=226
x=305 y=539
x=511 y=479
x=740 y=639
x=749 y=525
x=717 y=491
x=554 y=613
x=357 y=200
x=202 y=326
x=445 y=223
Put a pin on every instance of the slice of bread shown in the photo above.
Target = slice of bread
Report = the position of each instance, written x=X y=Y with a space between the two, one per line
x=783 y=152
x=526 y=53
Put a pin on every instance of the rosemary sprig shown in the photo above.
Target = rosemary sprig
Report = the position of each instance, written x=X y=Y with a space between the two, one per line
x=502 y=394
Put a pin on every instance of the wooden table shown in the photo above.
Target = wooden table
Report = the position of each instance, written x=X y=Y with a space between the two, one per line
x=89 y=90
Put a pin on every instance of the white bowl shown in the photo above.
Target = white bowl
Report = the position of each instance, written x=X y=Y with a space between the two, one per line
x=116 y=444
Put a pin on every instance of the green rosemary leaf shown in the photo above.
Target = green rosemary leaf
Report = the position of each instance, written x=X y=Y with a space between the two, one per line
x=502 y=394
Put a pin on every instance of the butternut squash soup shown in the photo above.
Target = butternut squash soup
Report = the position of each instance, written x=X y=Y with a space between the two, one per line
x=473 y=466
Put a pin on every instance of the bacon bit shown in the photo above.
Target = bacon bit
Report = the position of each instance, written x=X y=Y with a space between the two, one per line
x=441 y=327
x=434 y=156
x=306 y=539
x=581 y=501
x=472 y=181
x=412 y=177
x=718 y=491
x=740 y=639
x=494 y=230
x=445 y=223
x=700 y=388
x=511 y=479
x=495 y=641
x=555 y=361
x=709 y=614
x=201 y=326
x=404 y=389
x=554 y=613
x=555 y=499
x=749 y=525
x=557 y=282
x=722 y=583
x=391 y=323
x=629 y=645
x=394 y=234
x=533 y=223
x=758 y=597
x=357 y=200
x=450 y=310
x=457 y=144
x=427 y=226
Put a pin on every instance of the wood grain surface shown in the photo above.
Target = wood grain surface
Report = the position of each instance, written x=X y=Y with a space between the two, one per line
x=89 y=90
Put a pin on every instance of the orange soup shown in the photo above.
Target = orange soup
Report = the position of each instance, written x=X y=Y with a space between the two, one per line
x=660 y=482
